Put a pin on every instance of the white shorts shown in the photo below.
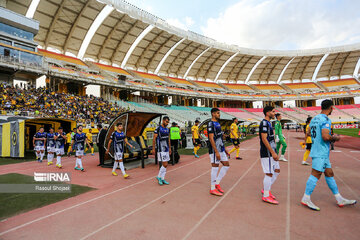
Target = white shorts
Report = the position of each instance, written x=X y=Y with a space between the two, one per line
x=60 y=151
x=118 y=155
x=50 y=149
x=269 y=164
x=39 y=148
x=223 y=158
x=163 y=156
x=79 y=153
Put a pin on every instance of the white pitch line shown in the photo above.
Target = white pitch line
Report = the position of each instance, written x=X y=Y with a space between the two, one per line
x=287 y=235
x=218 y=202
x=355 y=151
x=88 y=201
x=143 y=206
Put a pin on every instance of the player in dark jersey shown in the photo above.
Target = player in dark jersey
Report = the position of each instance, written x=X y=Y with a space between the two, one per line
x=39 y=141
x=118 y=139
x=161 y=142
x=217 y=153
x=60 y=140
x=269 y=158
x=50 y=142
x=78 y=144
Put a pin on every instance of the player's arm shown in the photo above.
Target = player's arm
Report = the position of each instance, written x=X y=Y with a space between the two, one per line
x=325 y=134
x=108 y=147
x=193 y=135
x=87 y=143
x=56 y=136
x=213 y=145
x=169 y=146
x=268 y=146
x=154 y=141
x=127 y=143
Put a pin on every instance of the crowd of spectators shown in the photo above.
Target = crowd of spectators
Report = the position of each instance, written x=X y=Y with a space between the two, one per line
x=44 y=102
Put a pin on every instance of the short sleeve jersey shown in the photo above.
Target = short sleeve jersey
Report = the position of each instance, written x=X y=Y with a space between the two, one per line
x=79 y=141
x=162 y=140
x=195 y=130
x=215 y=128
x=40 y=135
x=89 y=137
x=60 y=141
x=118 y=139
x=319 y=148
x=265 y=127
x=50 y=140
x=234 y=131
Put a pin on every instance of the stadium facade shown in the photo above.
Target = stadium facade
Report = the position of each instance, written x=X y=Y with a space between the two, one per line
x=125 y=50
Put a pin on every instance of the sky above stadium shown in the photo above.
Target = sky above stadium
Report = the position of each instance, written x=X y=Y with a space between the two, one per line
x=264 y=24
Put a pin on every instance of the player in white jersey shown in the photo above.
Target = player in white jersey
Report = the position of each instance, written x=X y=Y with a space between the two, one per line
x=60 y=140
x=39 y=141
x=217 y=153
x=161 y=142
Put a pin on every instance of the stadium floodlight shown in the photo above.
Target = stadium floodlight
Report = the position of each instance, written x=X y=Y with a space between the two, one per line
x=135 y=43
x=32 y=8
x=105 y=12
x=167 y=54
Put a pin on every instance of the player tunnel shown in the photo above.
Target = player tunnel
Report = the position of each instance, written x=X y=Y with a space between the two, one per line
x=33 y=125
x=134 y=124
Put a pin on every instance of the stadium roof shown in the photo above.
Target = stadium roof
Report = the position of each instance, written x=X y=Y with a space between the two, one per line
x=118 y=33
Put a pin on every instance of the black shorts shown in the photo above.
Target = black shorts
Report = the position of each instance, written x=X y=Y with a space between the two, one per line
x=308 y=146
x=91 y=144
x=235 y=141
x=196 y=142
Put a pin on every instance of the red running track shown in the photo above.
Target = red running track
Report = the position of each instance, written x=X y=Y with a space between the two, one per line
x=138 y=208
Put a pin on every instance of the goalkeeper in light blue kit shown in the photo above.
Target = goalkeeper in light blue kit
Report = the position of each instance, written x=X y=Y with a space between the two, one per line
x=320 y=131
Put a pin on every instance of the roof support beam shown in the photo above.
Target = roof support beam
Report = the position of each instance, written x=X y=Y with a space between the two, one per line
x=187 y=58
x=109 y=36
x=178 y=56
x=273 y=69
x=317 y=69
x=241 y=70
x=201 y=68
x=148 y=47
x=195 y=60
x=158 y=51
x=235 y=66
x=212 y=64
x=135 y=43
x=53 y=23
x=32 y=8
x=305 y=67
x=105 y=12
x=343 y=65
x=167 y=55
x=253 y=69
x=356 y=69
x=224 y=65
x=283 y=71
x=69 y=35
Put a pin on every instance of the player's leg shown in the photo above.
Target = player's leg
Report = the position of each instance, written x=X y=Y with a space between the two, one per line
x=330 y=180
x=214 y=174
x=42 y=153
x=238 y=151
x=122 y=168
x=50 y=156
x=223 y=171
x=116 y=164
x=92 y=149
x=268 y=164
x=283 y=149
x=306 y=154
x=315 y=175
x=164 y=158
